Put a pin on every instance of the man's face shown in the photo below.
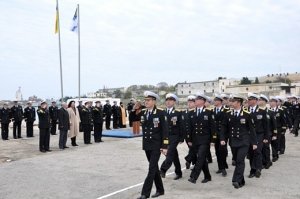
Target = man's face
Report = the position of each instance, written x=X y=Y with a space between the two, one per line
x=44 y=106
x=236 y=104
x=262 y=102
x=273 y=103
x=191 y=104
x=170 y=103
x=98 y=104
x=87 y=105
x=29 y=105
x=149 y=103
x=252 y=102
x=217 y=103
x=53 y=104
x=199 y=102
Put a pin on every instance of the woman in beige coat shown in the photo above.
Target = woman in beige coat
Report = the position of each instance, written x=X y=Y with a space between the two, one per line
x=74 y=122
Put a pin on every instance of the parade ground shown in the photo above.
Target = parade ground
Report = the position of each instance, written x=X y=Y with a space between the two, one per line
x=117 y=168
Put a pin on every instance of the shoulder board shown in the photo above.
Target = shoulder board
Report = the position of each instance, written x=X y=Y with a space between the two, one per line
x=246 y=111
x=177 y=110
x=261 y=108
x=144 y=109
x=283 y=106
x=280 y=108
x=209 y=109
x=228 y=111
x=159 y=109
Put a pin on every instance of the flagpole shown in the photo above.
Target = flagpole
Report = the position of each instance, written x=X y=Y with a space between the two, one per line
x=78 y=51
x=60 y=59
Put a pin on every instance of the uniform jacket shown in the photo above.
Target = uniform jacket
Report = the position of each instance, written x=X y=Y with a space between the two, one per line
x=219 y=116
x=202 y=128
x=17 y=113
x=261 y=122
x=5 y=115
x=97 y=114
x=44 y=118
x=239 y=129
x=175 y=127
x=155 y=129
x=29 y=114
x=53 y=111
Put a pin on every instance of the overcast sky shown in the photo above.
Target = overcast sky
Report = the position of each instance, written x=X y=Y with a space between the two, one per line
x=144 y=42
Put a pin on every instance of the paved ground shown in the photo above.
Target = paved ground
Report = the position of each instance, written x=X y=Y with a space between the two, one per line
x=97 y=170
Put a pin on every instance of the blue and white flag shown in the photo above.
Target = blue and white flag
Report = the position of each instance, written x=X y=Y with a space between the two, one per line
x=74 y=27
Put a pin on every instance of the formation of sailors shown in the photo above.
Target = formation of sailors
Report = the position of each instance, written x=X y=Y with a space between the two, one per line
x=254 y=128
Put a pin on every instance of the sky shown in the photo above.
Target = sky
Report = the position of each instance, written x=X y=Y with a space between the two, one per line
x=143 y=42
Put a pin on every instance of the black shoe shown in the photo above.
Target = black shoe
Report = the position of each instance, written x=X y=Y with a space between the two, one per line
x=258 y=173
x=226 y=166
x=233 y=163
x=20 y=137
x=162 y=174
x=15 y=138
x=236 y=185
x=48 y=150
x=251 y=175
x=268 y=165
x=281 y=152
x=209 y=161
x=177 y=177
x=101 y=141
x=219 y=171
x=206 y=180
x=224 y=173
x=43 y=151
x=142 y=197
x=76 y=144
x=157 y=194
x=275 y=159
x=192 y=180
x=188 y=165
x=66 y=147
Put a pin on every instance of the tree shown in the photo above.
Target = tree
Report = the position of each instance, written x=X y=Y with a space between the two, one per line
x=117 y=93
x=128 y=94
x=245 y=80
x=268 y=81
x=256 y=81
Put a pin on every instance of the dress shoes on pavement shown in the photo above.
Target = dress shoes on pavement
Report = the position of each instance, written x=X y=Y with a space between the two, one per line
x=192 y=180
x=258 y=173
x=177 y=177
x=206 y=180
x=142 y=197
x=251 y=175
x=187 y=165
x=162 y=174
x=157 y=194
x=224 y=173
x=66 y=147
x=219 y=171
x=236 y=185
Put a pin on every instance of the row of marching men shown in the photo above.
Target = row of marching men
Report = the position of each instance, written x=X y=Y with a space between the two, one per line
x=249 y=126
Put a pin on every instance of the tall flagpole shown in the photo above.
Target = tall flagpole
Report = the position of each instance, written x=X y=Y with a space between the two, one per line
x=78 y=51
x=60 y=61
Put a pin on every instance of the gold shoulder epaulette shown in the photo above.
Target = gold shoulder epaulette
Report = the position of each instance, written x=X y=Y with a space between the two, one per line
x=144 y=109
x=159 y=109
x=246 y=111
x=280 y=108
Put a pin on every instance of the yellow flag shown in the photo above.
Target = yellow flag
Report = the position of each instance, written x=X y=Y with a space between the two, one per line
x=56 y=20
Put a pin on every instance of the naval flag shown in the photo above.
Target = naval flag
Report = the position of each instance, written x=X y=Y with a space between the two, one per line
x=74 y=27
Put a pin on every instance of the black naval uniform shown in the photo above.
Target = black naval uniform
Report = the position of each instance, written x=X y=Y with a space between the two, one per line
x=98 y=123
x=130 y=109
x=281 y=123
x=107 y=114
x=5 y=120
x=155 y=137
x=261 y=124
x=116 y=114
x=87 y=124
x=221 y=150
x=239 y=127
x=53 y=111
x=44 y=126
x=296 y=115
x=17 y=117
x=266 y=152
x=202 y=129
x=29 y=115
x=191 y=157
x=176 y=136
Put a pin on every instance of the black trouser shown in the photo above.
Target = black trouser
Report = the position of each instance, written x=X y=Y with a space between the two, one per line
x=153 y=174
x=201 y=163
x=86 y=133
x=53 y=127
x=241 y=153
x=73 y=141
x=4 y=131
x=44 y=139
x=62 y=139
x=191 y=156
x=29 y=129
x=255 y=156
x=172 y=157
x=296 y=125
x=115 y=122
x=209 y=157
x=266 y=153
x=221 y=154
x=98 y=132
x=17 y=126
x=281 y=140
x=107 y=121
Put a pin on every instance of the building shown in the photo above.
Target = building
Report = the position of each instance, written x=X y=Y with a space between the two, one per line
x=207 y=87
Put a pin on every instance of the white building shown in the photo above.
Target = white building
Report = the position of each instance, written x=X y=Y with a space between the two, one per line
x=207 y=87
